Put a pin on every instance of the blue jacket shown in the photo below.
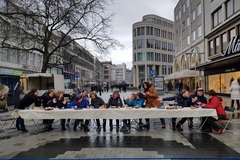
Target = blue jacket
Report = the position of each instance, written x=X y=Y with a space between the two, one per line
x=83 y=104
x=135 y=102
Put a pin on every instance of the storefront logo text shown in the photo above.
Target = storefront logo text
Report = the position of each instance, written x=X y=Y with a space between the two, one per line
x=233 y=46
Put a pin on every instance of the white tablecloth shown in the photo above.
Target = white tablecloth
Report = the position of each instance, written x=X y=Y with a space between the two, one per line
x=116 y=113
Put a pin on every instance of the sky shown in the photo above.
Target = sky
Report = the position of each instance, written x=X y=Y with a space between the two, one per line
x=128 y=12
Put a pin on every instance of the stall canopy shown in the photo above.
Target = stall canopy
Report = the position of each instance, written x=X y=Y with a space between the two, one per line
x=39 y=75
x=181 y=74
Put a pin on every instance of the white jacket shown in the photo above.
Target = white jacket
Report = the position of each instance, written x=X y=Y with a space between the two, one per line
x=235 y=90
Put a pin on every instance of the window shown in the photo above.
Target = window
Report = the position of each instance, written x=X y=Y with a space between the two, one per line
x=157 y=44
x=232 y=33
x=170 y=36
x=149 y=30
x=188 y=40
x=193 y=36
x=217 y=17
x=199 y=10
x=236 y=5
x=164 y=46
x=164 y=69
x=157 y=32
x=170 y=68
x=140 y=56
x=150 y=56
x=134 y=57
x=199 y=31
x=224 y=41
x=211 y=48
x=140 y=31
x=170 y=47
x=164 y=34
x=193 y=15
x=134 y=45
x=15 y=56
x=179 y=14
x=183 y=8
x=134 y=33
x=6 y=54
x=187 y=22
x=217 y=41
x=187 y=3
x=158 y=57
x=141 y=43
x=150 y=43
x=230 y=8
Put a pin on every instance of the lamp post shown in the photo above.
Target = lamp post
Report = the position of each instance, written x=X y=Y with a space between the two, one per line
x=195 y=66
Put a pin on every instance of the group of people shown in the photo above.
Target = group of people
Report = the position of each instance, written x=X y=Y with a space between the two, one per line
x=185 y=99
x=149 y=98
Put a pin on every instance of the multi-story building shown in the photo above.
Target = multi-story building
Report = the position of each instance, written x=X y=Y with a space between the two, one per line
x=118 y=73
x=98 y=67
x=153 y=48
x=129 y=76
x=107 y=72
x=189 y=40
x=222 y=41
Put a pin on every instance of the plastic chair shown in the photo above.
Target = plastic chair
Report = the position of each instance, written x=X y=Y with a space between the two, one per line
x=224 y=123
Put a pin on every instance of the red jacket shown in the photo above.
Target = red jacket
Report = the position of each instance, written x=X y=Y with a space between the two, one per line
x=216 y=103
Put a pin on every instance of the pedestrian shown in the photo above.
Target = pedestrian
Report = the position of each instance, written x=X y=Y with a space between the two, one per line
x=235 y=94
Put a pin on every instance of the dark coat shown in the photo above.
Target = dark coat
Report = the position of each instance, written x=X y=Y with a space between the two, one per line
x=47 y=101
x=26 y=101
x=202 y=99
x=183 y=101
x=98 y=102
x=60 y=103
x=115 y=102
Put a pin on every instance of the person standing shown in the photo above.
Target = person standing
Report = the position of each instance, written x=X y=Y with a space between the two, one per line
x=152 y=100
x=61 y=103
x=30 y=98
x=235 y=94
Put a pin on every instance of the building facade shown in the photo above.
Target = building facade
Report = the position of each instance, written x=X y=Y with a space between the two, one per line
x=106 y=72
x=129 y=76
x=190 y=46
x=222 y=41
x=118 y=73
x=153 y=48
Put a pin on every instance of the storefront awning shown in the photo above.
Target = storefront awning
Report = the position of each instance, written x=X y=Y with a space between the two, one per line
x=39 y=75
x=181 y=74
x=216 y=64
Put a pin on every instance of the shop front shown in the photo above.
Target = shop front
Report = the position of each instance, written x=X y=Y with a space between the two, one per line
x=221 y=72
x=11 y=78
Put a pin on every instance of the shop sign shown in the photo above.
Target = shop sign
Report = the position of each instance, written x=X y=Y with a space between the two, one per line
x=230 y=70
x=32 y=68
x=233 y=47
x=11 y=72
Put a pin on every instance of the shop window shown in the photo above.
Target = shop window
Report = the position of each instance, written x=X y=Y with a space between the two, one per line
x=214 y=82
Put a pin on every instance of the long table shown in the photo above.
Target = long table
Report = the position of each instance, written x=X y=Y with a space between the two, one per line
x=122 y=113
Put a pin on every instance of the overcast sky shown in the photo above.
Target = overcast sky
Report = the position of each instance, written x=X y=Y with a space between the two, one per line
x=128 y=12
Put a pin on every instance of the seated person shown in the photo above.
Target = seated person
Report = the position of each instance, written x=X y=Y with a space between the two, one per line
x=97 y=102
x=61 y=103
x=214 y=103
x=114 y=100
x=80 y=103
x=182 y=99
x=130 y=101
x=48 y=100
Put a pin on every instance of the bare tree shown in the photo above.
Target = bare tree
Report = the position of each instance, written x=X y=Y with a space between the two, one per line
x=48 y=26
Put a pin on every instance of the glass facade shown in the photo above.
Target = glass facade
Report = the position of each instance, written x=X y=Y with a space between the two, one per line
x=221 y=82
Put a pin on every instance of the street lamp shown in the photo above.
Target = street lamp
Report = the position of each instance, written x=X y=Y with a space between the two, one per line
x=195 y=67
